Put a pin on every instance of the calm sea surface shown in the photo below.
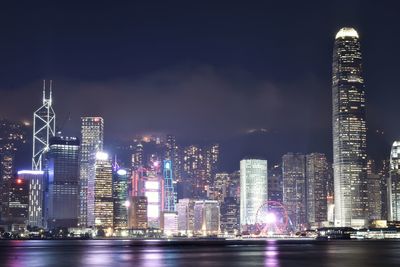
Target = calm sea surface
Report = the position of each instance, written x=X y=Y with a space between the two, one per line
x=199 y=253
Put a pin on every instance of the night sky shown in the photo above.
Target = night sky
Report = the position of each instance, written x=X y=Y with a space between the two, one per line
x=203 y=70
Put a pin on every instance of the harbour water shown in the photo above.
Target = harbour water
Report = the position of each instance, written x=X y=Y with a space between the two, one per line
x=273 y=253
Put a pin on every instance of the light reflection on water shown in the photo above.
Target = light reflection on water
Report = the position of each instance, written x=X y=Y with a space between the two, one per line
x=156 y=254
x=271 y=254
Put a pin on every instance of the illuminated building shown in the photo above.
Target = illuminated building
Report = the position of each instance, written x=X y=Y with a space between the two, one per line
x=170 y=223
x=6 y=172
x=199 y=168
x=153 y=190
x=230 y=216
x=63 y=182
x=103 y=197
x=374 y=196
x=18 y=200
x=91 y=142
x=253 y=190
x=206 y=218
x=384 y=173
x=12 y=139
x=36 y=206
x=137 y=156
x=316 y=188
x=173 y=153
x=394 y=183
x=211 y=158
x=169 y=187
x=234 y=185
x=275 y=190
x=137 y=212
x=219 y=190
x=294 y=189
x=185 y=209
x=120 y=196
x=349 y=131
x=194 y=174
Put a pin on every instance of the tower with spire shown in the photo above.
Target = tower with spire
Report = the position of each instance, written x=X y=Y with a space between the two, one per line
x=44 y=126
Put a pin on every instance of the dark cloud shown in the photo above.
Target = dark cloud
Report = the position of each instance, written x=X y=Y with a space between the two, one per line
x=200 y=101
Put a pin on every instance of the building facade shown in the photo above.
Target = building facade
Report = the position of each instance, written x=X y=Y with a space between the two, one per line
x=253 y=190
x=137 y=212
x=120 y=198
x=103 y=195
x=63 y=182
x=206 y=218
x=349 y=131
x=294 y=190
x=91 y=142
x=316 y=189
x=185 y=209
x=394 y=183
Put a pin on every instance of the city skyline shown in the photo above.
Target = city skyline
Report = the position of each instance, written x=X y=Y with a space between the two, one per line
x=204 y=133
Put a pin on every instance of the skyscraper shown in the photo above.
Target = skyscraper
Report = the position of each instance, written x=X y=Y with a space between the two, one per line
x=349 y=131
x=12 y=138
x=253 y=190
x=275 y=190
x=103 y=198
x=294 y=189
x=63 y=182
x=120 y=197
x=199 y=168
x=316 y=188
x=394 y=183
x=91 y=142
x=172 y=153
x=169 y=187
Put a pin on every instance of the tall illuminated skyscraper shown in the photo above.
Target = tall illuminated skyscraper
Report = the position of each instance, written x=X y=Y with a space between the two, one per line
x=91 y=142
x=394 y=183
x=253 y=190
x=103 y=197
x=349 y=131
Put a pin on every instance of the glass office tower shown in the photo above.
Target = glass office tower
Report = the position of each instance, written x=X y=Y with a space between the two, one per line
x=253 y=190
x=349 y=131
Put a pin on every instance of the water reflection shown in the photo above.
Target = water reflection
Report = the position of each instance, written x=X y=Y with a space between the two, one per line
x=271 y=254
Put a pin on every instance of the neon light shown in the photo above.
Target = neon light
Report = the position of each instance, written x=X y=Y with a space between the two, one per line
x=30 y=172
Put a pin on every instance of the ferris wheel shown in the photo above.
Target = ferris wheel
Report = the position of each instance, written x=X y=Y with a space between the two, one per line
x=272 y=218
